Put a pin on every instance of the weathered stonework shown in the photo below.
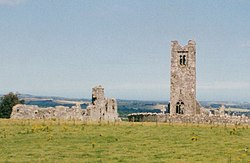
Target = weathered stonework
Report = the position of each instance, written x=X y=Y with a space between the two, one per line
x=196 y=119
x=59 y=112
x=183 y=79
x=101 y=109
x=183 y=107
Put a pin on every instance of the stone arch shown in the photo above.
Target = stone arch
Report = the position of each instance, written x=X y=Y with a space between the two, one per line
x=180 y=107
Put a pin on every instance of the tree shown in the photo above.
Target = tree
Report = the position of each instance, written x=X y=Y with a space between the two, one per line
x=6 y=104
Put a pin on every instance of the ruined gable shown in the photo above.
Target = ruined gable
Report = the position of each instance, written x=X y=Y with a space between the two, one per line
x=102 y=109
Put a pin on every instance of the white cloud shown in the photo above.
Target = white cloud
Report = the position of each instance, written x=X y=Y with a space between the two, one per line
x=219 y=85
x=11 y=2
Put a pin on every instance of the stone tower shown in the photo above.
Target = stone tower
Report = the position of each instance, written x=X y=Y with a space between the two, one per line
x=97 y=94
x=183 y=79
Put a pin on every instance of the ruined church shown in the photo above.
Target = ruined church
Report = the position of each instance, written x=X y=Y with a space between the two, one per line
x=101 y=109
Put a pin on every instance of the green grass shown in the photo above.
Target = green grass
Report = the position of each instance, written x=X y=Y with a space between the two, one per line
x=59 y=141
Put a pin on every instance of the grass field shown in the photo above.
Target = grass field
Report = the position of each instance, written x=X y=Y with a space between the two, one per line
x=59 y=141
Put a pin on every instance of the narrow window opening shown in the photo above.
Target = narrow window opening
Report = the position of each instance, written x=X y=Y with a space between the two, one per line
x=184 y=60
x=180 y=108
x=93 y=98
x=177 y=107
x=180 y=59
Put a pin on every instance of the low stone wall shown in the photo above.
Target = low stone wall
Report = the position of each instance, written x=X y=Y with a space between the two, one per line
x=198 y=119
x=59 y=112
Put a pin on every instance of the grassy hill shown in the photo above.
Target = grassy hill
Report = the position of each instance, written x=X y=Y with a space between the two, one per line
x=59 y=141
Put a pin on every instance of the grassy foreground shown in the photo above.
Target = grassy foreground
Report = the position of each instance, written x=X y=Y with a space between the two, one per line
x=59 y=141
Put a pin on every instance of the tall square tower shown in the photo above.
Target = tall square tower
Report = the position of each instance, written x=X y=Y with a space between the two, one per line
x=183 y=79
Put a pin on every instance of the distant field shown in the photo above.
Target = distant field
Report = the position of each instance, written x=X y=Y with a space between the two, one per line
x=59 y=141
x=237 y=110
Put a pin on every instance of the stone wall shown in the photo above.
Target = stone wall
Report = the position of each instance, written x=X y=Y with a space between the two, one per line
x=59 y=112
x=197 y=119
x=101 y=109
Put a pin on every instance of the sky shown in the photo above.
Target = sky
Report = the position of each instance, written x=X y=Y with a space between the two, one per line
x=66 y=47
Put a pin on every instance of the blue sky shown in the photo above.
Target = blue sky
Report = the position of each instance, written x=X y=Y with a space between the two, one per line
x=65 y=47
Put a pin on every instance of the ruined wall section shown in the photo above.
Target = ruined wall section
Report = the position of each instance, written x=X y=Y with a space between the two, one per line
x=183 y=78
x=101 y=109
x=59 y=112
x=105 y=110
x=184 y=119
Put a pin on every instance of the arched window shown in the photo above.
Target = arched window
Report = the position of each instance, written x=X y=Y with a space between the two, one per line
x=180 y=107
x=177 y=107
x=180 y=59
x=184 y=59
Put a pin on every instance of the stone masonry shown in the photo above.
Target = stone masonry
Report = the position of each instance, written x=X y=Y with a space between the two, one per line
x=183 y=105
x=101 y=109
x=183 y=79
x=195 y=119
